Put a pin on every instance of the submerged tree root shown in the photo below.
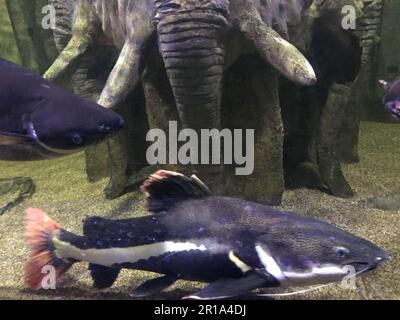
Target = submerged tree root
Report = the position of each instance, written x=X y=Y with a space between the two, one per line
x=20 y=188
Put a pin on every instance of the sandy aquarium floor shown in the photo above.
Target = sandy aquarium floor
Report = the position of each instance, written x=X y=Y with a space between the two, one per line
x=63 y=191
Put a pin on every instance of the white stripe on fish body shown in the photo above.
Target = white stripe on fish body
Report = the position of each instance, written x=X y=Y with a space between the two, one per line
x=270 y=264
x=316 y=275
x=113 y=256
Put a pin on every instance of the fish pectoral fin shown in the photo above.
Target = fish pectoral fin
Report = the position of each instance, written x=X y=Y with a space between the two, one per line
x=269 y=278
x=228 y=288
x=154 y=286
x=103 y=277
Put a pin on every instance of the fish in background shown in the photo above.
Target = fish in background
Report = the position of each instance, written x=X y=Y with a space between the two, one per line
x=392 y=97
x=234 y=245
x=39 y=120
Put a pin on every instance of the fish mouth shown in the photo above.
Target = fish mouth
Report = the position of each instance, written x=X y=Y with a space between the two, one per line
x=30 y=129
x=362 y=267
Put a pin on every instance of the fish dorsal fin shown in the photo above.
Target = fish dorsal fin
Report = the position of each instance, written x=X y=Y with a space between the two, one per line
x=165 y=189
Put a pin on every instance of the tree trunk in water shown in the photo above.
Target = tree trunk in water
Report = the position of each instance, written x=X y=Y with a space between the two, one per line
x=251 y=101
x=347 y=143
x=195 y=70
x=28 y=33
x=330 y=127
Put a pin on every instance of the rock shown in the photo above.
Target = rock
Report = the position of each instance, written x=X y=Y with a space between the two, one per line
x=387 y=203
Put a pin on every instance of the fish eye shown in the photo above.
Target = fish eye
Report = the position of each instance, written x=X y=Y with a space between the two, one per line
x=77 y=139
x=341 y=252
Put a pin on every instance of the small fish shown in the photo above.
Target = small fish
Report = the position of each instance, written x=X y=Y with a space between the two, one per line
x=392 y=97
x=234 y=245
x=40 y=120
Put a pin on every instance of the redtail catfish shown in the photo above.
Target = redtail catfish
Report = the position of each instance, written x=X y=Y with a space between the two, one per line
x=233 y=244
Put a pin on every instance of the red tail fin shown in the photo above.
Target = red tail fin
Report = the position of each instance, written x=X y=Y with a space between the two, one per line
x=39 y=228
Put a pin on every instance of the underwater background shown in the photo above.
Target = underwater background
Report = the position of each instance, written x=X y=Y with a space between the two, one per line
x=62 y=189
x=8 y=46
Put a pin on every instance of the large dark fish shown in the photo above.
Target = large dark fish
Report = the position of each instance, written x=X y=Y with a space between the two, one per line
x=392 y=97
x=40 y=120
x=235 y=245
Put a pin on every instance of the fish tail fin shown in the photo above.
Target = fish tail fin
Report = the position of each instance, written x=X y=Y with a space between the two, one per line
x=39 y=231
x=166 y=188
